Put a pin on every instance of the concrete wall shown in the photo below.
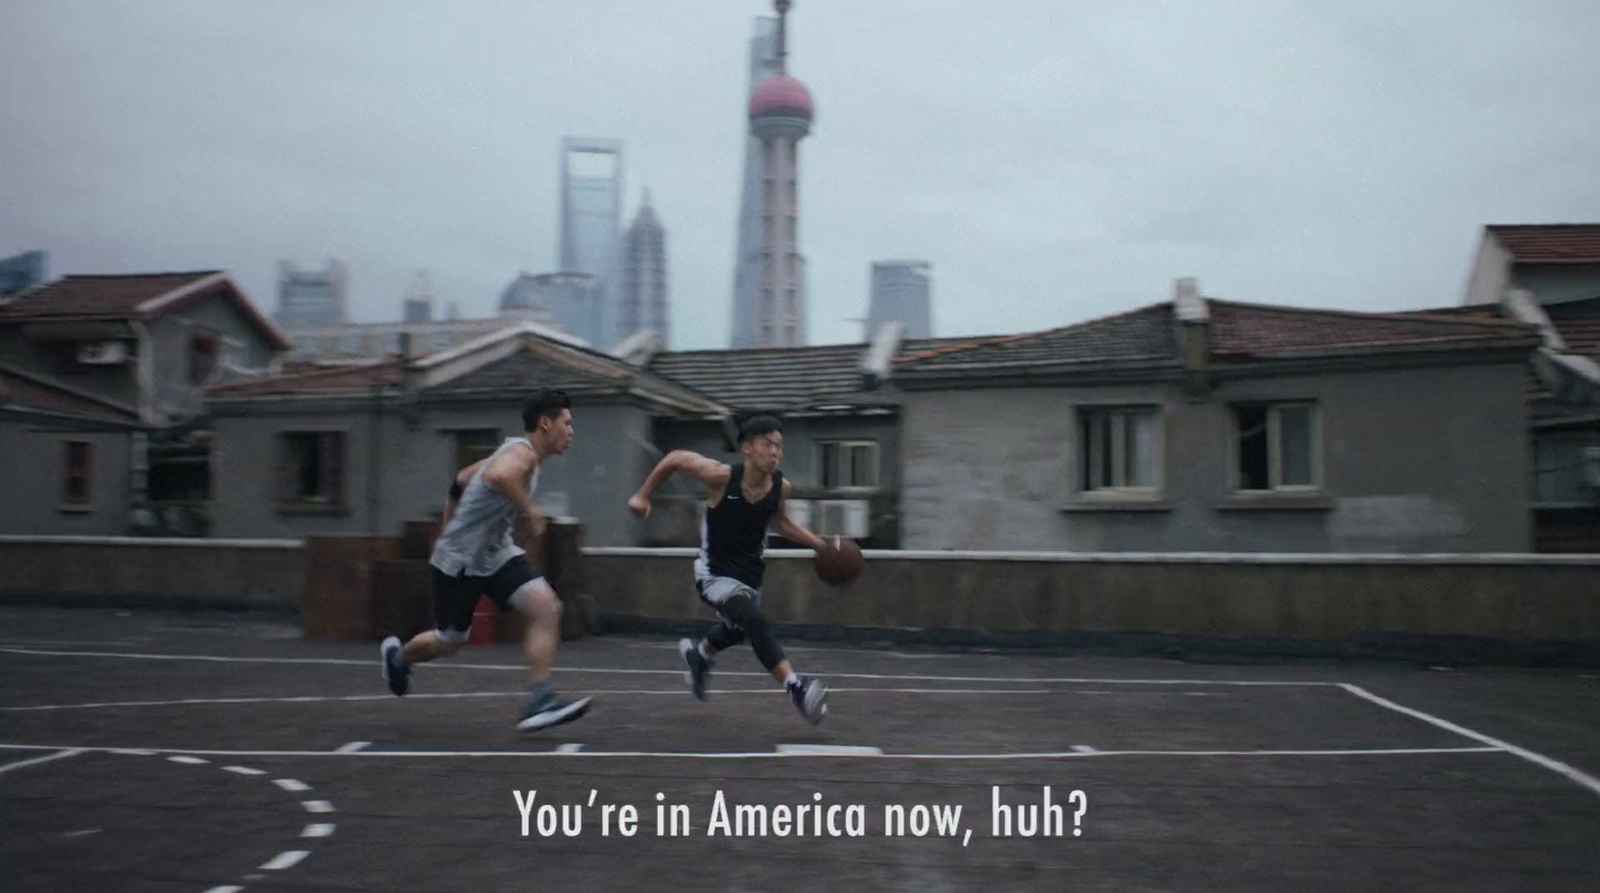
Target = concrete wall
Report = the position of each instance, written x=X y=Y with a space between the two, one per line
x=172 y=392
x=1555 y=283
x=1414 y=460
x=35 y=483
x=1497 y=607
x=399 y=470
x=268 y=575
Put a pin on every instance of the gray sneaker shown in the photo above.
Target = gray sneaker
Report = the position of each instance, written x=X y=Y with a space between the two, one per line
x=395 y=671
x=699 y=667
x=811 y=698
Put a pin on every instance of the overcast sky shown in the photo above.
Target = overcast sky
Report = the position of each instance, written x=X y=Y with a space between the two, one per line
x=1054 y=160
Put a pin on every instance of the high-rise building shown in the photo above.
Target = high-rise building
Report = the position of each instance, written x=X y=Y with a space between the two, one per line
x=747 y=253
x=23 y=272
x=642 y=302
x=781 y=112
x=573 y=299
x=902 y=291
x=418 y=303
x=591 y=220
x=312 y=297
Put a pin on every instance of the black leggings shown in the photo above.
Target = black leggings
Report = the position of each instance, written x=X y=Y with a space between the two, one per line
x=741 y=620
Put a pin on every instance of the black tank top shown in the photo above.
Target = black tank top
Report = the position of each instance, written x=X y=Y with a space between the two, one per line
x=734 y=534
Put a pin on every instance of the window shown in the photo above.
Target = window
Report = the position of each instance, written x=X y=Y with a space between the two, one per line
x=78 y=475
x=473 y=445
x=1566 y=469
x=313 y=468
x=1120 y=448
x=789 y=309
x=202 y=357
x=1277 y=446
x=849 y=465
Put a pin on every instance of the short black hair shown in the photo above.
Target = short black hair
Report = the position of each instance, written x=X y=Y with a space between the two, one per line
x=545 y=403
x=761 y=424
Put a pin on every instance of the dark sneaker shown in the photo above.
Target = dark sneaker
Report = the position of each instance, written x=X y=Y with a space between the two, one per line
x=699 y=667
x=811 y=698
x=395 y=671
x=551 y=711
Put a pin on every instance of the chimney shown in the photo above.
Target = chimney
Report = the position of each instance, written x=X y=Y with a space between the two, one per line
x=1192 y=321
x=879 y=359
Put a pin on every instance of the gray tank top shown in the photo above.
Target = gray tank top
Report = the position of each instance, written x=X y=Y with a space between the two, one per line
x=477 y=541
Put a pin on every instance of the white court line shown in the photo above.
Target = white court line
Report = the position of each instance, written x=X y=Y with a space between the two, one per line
x=569 y=748
x=318 y=806
x=63 y=754
x=244 y=770
x=285 y=860
x=291 y=784
x=1582 y=778
x=1083 y=748
x=670 y=692
x=228 y=889
x=192 y=761
x=354 y=746
x=521 y=668
x=324 y=806
x=317 y=831
x=838 y=749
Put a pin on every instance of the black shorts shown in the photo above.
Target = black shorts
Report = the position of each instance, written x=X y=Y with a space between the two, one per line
x=455 y=598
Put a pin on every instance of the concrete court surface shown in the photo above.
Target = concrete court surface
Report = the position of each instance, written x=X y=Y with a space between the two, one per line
x=147 y=751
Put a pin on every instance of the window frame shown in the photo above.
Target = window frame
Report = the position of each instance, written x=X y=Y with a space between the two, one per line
x=1086 y=469
x=72 y=471
x=288 y=496
x=1274 y=412
x=849 y=445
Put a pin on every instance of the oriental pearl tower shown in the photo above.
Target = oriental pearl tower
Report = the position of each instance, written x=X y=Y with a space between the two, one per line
x=780 y=116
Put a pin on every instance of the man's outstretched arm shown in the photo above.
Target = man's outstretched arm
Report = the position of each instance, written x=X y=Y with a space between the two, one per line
x=710 y=472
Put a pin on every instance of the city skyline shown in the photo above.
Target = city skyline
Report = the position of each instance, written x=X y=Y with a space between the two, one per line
x=1054 y=162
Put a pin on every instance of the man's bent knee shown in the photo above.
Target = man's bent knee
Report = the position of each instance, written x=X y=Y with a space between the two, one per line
x=538 y=601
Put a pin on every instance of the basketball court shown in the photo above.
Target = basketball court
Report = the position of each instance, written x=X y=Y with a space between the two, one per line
x=153 y=751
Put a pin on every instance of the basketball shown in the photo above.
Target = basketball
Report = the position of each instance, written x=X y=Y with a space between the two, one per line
x=840 y=562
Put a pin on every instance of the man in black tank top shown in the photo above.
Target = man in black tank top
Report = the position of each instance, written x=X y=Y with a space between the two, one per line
x=745 y=500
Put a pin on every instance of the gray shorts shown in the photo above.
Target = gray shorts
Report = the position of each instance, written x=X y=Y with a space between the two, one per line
x=715 y=591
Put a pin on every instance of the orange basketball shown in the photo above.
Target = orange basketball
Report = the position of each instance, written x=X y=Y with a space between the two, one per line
x=840 y=562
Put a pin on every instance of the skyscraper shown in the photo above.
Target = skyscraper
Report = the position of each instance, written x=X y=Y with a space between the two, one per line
x=781 y=112
x=591 y=220
x=312 y=297
x=417 y=306
x=573 y=299
x=642 y=302
x=902 y=292
x=747 y=253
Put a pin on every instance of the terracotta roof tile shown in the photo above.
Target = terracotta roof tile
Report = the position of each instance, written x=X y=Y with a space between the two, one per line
x=97 y=295
x=343 y=380
x=1261 y=331
x=1568 y=243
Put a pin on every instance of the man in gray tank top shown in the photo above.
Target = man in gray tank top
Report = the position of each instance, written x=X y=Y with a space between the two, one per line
x=476 y=556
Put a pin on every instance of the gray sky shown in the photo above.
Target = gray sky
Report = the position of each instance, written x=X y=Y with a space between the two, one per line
x=1053 y=160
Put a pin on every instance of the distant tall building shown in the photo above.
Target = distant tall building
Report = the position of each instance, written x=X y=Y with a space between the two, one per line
x=418 y=305
x=312 y=297
x=902 y=291
x=23 y=272
x=780 y=116
x=573 y=299
x=747 y=253
x=591 y=220
x=642 y=301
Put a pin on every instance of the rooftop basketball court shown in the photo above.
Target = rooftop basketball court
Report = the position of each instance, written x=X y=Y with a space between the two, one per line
x=145 y=751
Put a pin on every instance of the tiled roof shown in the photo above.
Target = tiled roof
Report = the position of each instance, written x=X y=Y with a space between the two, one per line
x=342 y=380
x=1144 y=334
x=1238 y=333
x=1259 y=331
x=1562 y=243
x=1578 y=322
x=525 y=371
x=777 y=378
x=20 y=390
x=124 y=297
x=98 y=295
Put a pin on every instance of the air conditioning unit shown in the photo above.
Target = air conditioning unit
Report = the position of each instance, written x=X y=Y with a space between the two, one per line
x=103 y=353
x=843 y=517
